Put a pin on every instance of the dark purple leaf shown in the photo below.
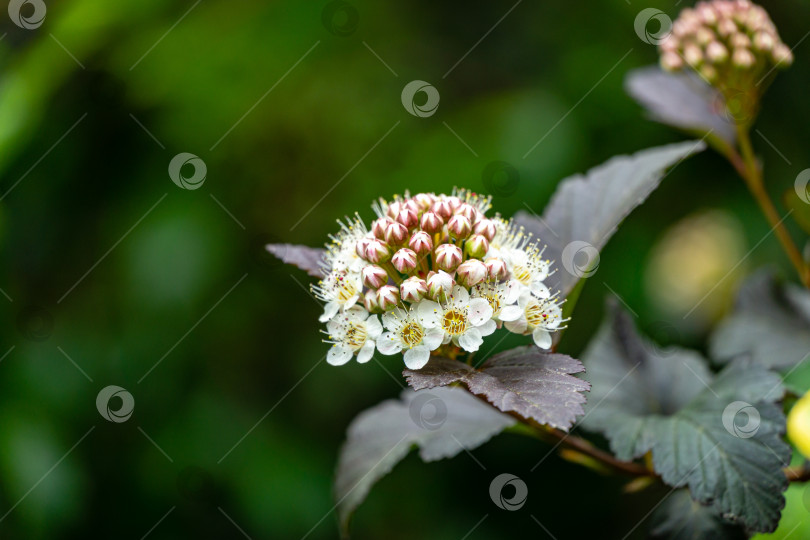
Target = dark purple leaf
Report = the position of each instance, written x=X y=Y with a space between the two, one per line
x=586 y=209
x=681 y=100
x=304 y=257
x=442 y=423
x=527 y=381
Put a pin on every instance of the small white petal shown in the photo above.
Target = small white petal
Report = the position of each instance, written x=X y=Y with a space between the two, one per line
x=388 y=344
x=542 y=338
x=446 y=339
x=365 y=352
x=518 y=326
x=429 y=313
x=510 y=313
x=433 y=338
x=511 y=292
x=417 y=357
x=351 y=301
x=339 y=355
x=480 y=311
x=539 y=289
x=460 y=295
x=471 y=340
x=487 y=328
x=329 y=311
x=373 y=327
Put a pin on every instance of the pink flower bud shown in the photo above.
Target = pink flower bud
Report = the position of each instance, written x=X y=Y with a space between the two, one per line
x=448 y=257
x=496 y=269
x=396 y=233
x=408 y=218
x=442 y=209
x=692 y=55
x=378 y=227
x=468 y=212
x=726 y=27
x=387 y=297
x=454 y=202
x=424 y=200
x=439 y=285
x=782 y=55
x=413 y=289
x=764 y=41
x=411 y=205
x=370 y=302
x=459 y=227
x=671 y=61
x=740 y=41
x=421 y=243
x=377 y=251
x=716 y=52
x=476 y=246
x=374 y=277
x=742 y=58
x=471 y=272
x=404 y=260
x=393 y=209
x=486 y=228
x=431 y=222
x=361 y=247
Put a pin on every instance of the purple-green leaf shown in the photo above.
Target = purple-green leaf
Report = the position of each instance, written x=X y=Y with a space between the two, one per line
x=681 y=100
x=586 y=209
x=441 y=423
x=527 y=381
x=304 y=257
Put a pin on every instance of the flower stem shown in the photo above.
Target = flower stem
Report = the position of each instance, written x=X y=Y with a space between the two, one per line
x=752 y=174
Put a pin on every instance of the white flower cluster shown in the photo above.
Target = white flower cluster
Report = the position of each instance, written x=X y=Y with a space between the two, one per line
x=441 y=274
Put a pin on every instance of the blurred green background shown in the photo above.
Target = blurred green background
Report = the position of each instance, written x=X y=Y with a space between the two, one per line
x=295 y=109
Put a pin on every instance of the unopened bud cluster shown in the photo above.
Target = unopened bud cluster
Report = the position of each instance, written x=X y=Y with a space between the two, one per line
x=440 y=272
x=732 y=44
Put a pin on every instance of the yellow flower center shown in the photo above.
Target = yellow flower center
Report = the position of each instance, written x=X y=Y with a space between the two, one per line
x=454 y=322
x=356 y=335
x=494 y=302
x=522 y=274
x=412 y=334
x=345 y=290
x=535 y=315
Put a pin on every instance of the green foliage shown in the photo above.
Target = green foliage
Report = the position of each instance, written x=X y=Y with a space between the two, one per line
x=667 y=402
